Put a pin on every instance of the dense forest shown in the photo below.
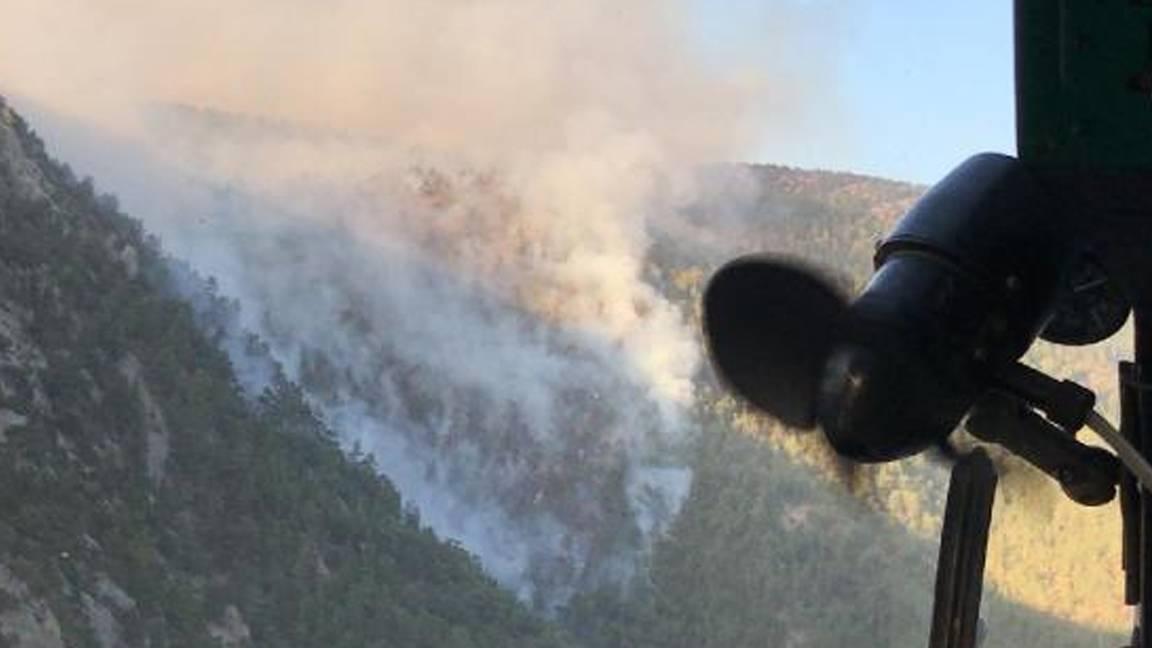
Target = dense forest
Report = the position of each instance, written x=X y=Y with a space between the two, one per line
x=147 y=499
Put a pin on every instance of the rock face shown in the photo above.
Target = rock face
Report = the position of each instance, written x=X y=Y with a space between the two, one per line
x=231 y=629
x=157 y=437
x=146 y=500
x=27 y=622
x=24 y=174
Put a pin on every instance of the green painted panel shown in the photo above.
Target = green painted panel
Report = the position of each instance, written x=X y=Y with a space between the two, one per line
x=1084 y=83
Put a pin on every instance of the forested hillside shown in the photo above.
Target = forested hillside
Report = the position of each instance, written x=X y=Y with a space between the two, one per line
x=147 y=499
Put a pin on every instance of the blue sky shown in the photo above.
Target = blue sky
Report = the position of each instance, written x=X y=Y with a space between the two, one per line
x=917 y=86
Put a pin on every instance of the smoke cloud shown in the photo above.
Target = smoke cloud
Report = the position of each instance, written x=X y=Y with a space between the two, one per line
x=438 y=215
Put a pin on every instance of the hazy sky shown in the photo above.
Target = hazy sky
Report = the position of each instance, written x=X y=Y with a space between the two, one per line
x=899 y=88
x=920 y=85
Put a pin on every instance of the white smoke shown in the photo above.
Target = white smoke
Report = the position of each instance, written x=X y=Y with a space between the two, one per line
x=496 y=349
x=437 y=215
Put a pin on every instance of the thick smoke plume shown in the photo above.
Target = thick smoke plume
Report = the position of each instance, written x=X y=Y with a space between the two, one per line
x=437 y=214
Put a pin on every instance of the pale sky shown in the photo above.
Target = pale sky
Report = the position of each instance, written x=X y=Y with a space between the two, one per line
x=918 y=85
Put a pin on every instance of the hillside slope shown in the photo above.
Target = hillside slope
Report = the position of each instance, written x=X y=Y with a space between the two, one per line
x=145 y=501
x=777 y=543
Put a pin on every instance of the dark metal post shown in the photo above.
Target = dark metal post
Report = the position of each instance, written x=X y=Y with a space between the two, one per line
x=1142 y=422
x=1129 y=490
x=963 y=546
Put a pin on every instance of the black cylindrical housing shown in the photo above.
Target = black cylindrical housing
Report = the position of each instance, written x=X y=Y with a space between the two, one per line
x=963 y=286
x=992 y=220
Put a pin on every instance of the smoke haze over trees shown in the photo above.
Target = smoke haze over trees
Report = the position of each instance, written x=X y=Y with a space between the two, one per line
x=760 y=528
x=465 y=239
x=437 y=216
